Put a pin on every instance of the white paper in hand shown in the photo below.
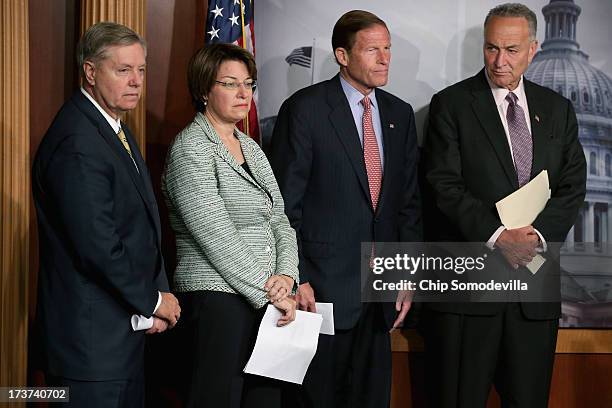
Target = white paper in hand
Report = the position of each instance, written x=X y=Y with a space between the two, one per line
x=327 y=311
x=284 y=353
x=140 y=322
x=522 y=207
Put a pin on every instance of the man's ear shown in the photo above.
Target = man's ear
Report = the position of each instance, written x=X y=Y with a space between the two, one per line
x=342 y=56
x=89 y=69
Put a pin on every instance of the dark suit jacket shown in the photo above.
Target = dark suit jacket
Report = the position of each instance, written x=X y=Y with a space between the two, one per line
x=469 y=167
x=318 y=161
x=99 y=235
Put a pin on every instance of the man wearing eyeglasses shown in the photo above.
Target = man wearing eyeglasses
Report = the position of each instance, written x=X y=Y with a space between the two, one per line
x=345 y=156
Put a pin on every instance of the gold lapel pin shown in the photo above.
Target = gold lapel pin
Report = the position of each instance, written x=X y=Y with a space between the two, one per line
x=537 y=118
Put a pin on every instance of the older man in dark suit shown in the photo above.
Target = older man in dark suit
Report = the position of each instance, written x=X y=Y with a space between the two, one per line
x=101 y=269
x=345 y=156
x=489 y=135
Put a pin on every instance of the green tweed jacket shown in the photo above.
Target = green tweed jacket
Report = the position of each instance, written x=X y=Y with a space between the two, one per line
x=232 y=233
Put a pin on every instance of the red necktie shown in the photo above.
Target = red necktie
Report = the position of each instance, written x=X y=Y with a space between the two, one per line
x=371 y=153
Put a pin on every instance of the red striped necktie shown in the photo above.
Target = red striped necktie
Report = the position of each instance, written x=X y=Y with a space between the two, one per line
x=371 y=153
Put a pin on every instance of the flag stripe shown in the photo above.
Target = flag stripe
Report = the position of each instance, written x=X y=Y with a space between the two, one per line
x=301 y=56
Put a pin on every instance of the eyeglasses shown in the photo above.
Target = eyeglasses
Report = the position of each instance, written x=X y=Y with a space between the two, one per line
x=232 y=86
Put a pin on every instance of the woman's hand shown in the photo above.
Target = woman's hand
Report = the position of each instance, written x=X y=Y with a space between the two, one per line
x=287 y=306
x=278 y=287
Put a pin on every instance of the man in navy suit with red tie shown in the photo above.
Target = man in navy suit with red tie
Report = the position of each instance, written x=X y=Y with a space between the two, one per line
x=345 y=156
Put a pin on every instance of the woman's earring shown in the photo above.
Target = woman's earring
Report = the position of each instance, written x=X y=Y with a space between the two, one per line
x=205 y=101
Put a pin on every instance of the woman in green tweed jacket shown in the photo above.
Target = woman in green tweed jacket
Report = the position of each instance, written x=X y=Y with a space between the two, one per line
x=235 y=248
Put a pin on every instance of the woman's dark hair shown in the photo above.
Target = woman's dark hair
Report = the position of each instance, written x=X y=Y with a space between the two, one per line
x=204 y=66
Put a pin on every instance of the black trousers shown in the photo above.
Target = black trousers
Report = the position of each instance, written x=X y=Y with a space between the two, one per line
x=101 y=394
x=223 y=329
x=352 y=368
x=467 y=354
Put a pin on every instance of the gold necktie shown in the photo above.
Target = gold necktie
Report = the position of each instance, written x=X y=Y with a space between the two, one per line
x=121 y=136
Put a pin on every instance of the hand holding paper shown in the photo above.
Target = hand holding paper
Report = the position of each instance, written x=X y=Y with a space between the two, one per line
x=287 y=307
x=305 y=298
x=519 y=210
x=285 y=352
x=519 y=245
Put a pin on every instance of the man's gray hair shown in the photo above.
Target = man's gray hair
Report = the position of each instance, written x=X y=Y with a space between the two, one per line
x=99 y=37
x=515 y=10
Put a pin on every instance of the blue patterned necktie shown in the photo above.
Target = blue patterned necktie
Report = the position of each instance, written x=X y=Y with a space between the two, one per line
x=522 y=144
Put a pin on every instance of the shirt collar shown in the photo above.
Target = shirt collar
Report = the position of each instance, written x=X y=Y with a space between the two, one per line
x=500 y=93
x=354 y=96
x=115 y=124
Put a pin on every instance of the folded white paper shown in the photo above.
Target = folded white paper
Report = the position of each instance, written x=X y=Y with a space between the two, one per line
x=284 y=353
x=140 y=322
x=522 y=207
x=327 y=311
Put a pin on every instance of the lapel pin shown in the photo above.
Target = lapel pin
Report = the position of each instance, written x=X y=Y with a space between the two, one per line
x=537 y=118
x=391 y=125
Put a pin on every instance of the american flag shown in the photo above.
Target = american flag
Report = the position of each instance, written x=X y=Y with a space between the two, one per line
x=226 y=23
x=301 y=56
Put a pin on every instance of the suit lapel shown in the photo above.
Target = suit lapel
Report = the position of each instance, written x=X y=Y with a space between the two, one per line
x=486 y=111
x=221 y=151
x=107 y=133
x=343 y=123
x=249 y=156
x=384 y=108
x=539 y=116
x=143 y=177
x=111 y=138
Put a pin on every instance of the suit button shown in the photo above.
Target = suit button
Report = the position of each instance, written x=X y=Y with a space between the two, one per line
x=267 y=249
